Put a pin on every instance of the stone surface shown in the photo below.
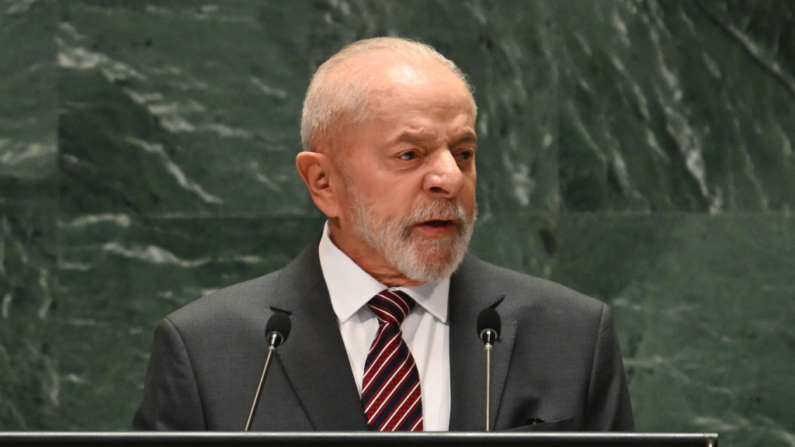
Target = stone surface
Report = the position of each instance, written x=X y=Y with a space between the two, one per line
x=677 y=106
x=29 y=393
x=29 y=389
x=704 y=309
x=179 y=107
x=637 y=150
x=28 y=159
x=527 y=243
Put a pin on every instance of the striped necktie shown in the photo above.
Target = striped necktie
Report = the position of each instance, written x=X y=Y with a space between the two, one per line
x=391 y=385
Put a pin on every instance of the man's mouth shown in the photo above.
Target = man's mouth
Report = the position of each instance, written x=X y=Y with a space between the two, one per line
x=437 y=223
x=439 y=227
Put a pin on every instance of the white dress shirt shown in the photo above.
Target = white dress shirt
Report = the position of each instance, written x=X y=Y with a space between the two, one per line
x=425 y=330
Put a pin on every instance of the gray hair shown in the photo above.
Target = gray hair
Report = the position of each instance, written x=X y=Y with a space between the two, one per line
x=330 y=98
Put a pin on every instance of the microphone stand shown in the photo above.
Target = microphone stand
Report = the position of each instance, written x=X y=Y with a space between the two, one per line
x=274 y=339
x=488 y=335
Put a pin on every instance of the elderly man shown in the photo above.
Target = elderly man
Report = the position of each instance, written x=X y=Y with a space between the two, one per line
x=384 y=304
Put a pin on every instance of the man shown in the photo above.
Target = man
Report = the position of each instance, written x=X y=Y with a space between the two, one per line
x=384 y=305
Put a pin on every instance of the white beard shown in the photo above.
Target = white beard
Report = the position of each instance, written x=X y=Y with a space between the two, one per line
x=394 y=241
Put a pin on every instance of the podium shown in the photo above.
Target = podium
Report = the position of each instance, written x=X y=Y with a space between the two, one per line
x=361 y=439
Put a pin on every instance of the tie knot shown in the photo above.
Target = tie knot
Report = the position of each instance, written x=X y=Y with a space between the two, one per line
x=391 y=306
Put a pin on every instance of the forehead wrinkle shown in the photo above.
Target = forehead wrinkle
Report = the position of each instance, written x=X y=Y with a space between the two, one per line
x=423 y=135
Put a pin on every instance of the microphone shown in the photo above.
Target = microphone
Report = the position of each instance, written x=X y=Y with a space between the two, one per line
x=276 y=331
x=489 y=327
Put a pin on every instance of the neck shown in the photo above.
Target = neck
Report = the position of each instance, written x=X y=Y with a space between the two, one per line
x=370 y=261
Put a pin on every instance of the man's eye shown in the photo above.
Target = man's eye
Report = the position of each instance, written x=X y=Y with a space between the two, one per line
x=410 y=155
x=466 y=155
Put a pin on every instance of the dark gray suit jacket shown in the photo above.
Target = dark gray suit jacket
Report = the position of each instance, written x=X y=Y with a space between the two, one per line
x=556 y=366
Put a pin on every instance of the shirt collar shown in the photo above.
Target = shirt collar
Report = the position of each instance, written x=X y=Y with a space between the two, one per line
x=350 y=287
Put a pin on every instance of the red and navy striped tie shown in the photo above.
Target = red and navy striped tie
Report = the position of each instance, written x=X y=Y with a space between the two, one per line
x=391 y=385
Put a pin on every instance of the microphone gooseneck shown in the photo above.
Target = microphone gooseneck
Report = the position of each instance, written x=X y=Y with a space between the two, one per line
x=276 y=331
x=489 y=327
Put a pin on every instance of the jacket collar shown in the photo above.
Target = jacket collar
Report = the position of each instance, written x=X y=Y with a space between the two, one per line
x=314 y=358
x=471 y=291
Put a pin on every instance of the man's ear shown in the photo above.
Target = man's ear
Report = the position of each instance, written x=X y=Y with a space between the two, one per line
x=317 y=172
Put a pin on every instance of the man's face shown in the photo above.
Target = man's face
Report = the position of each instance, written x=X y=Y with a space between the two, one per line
x=408 y=171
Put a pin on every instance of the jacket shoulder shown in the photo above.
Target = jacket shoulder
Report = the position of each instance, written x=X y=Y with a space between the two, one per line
x=233 y=303
x=522 y=293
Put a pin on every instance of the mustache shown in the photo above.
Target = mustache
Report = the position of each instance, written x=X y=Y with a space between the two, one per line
x=453 y=210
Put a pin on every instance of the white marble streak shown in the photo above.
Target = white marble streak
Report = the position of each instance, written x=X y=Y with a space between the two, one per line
x=761 y=55
x=266 y=89
x=175 y=171
x=153 y=254
x=19 y=6
x=121 y=220
x=79 y=58
x=19 y=153
x=8 y=298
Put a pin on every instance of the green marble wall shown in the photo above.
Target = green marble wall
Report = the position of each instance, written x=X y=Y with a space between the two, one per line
x=640 y=151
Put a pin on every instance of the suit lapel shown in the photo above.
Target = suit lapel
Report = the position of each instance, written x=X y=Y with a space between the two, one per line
x=469 y=294
x=314 y=357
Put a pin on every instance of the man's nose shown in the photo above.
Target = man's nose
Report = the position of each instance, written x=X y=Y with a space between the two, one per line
x=444 y=177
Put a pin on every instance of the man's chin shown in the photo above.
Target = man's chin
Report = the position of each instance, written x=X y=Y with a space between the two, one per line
x=440 y=258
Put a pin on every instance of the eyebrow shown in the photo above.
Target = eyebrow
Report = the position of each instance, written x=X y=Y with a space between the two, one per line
x=468 y=136
x=419 y=137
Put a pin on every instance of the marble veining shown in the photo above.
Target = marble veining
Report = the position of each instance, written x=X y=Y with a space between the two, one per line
x=661 y=100
x=640 y=151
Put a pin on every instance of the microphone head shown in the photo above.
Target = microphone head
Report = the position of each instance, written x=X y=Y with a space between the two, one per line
x=489 y=325
x=279 y=325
